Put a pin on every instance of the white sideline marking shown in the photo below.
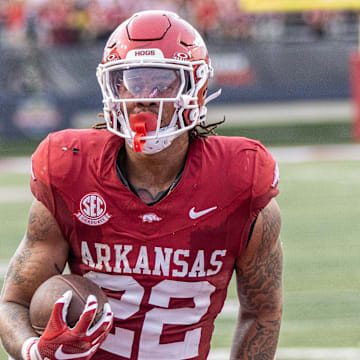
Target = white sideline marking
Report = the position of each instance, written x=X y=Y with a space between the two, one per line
x=15 y=165
x=297 y=154
x=15 y=194
x=300 y=353
x=3 y=269
x=291 y=112
x=319 y=353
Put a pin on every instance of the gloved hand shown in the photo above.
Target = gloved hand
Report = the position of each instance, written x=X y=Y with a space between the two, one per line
x=59 y=342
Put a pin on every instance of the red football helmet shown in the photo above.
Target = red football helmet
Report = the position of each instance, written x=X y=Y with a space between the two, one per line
x=155 y=56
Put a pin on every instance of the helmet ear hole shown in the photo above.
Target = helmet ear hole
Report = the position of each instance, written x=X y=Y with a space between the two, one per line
x=201 y=71
x=194 y=115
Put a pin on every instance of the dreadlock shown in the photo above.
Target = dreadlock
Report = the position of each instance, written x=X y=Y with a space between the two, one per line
x=203 y=131
x=100 y=125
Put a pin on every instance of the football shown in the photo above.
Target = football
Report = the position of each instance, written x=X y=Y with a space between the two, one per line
x=51 y=290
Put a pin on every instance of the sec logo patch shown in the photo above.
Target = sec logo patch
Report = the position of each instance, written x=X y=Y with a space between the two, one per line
x=93 y=210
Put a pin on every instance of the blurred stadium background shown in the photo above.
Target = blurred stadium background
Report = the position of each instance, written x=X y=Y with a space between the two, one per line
x=287 y=80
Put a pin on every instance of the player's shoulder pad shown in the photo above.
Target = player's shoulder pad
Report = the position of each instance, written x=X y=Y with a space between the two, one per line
x=246 y=162
x=62 y=155
x=266 y=171
x=234 y=145
x=247 y=156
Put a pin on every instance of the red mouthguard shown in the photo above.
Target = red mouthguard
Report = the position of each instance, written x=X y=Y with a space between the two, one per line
x=142 y=123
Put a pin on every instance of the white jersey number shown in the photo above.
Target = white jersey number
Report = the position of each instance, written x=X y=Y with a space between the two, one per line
x=150 y=348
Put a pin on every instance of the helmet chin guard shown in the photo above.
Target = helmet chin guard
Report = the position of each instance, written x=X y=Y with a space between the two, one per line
x=141 y=65
x=154 y=146
x=144 y=124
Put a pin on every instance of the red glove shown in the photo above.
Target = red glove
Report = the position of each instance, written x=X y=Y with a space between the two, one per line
x=59 y=342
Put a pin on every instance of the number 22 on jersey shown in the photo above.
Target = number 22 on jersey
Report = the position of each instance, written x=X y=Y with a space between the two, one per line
x=121 y=342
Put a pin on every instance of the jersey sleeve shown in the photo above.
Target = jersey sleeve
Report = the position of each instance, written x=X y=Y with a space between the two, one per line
x=265 y=180
x=40 y=182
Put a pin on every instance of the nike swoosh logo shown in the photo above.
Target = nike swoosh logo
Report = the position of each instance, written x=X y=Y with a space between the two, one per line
x=196 y=214
x=60 y=355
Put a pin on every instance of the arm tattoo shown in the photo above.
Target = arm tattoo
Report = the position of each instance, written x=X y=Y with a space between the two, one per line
x=15 y=324
x=262 y=275
x=26 y=260
x=262 y=343
x=28 y=268
x=260 y=294
x=39 y=226
x=14 y=273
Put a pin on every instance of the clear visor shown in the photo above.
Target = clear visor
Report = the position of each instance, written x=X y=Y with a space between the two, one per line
x=147 y=82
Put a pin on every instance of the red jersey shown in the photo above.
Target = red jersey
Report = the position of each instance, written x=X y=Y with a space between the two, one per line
x=166 y=267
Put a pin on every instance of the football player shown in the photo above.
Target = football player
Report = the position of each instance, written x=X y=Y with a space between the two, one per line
x=153 y=210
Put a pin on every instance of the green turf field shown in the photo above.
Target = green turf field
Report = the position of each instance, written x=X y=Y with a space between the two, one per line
x=320 y=204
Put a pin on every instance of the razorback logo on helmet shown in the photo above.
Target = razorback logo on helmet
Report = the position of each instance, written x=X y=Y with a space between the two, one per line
x=112 y=57
x=93 y=210
x=181 y=56
x=153 y=53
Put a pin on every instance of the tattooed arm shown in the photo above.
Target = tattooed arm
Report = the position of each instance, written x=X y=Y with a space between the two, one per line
x=259 y=283
x=41 y=254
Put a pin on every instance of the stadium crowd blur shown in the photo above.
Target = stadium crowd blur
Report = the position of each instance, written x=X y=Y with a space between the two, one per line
x=54 y=22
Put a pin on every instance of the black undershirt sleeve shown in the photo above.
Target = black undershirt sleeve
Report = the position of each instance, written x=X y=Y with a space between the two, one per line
x=251 y=231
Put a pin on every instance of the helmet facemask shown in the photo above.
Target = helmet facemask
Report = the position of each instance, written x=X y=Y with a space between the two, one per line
x=157 y=81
